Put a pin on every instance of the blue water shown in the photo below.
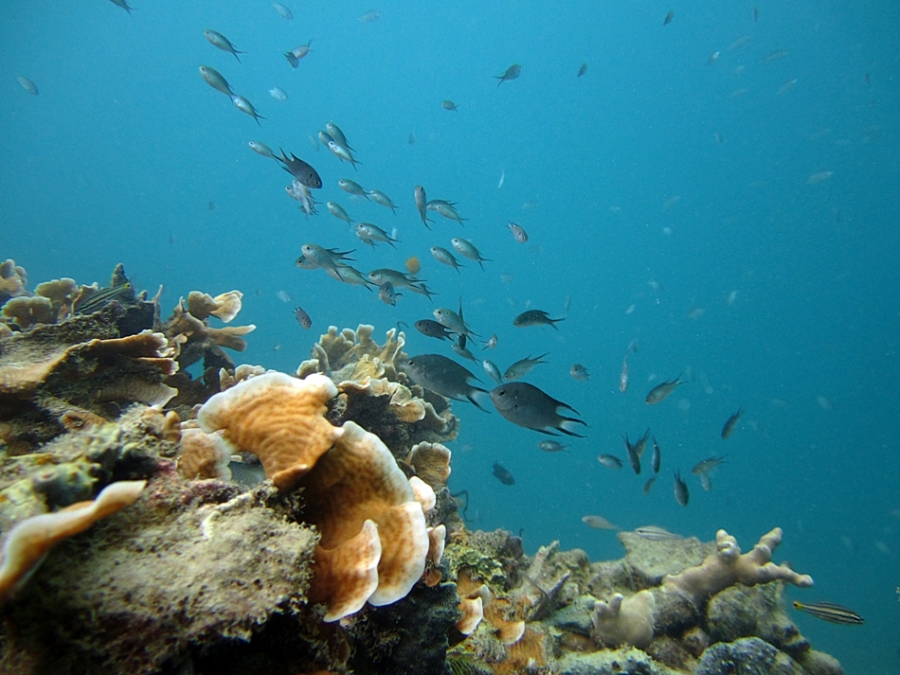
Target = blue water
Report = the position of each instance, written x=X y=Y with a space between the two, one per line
x=655 y=166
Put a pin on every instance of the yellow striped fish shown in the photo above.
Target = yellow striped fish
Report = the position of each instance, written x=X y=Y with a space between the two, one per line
x=829 y=611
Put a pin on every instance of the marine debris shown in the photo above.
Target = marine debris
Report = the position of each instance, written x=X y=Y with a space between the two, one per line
x=347 y=555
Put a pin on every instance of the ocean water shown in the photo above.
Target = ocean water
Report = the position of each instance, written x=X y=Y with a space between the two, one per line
x=672 y=199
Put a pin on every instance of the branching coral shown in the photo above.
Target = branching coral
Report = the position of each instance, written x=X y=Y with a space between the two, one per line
x=727 y=567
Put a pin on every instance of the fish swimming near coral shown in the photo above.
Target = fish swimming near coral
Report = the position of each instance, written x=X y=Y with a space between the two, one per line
x=527 y=406
x=443 y=376
x=302 y=317
x=831 y=612
x=655 y=533
x=502 y=474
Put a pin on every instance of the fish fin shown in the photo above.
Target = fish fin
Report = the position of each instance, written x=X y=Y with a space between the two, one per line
x=471 y=398
x=567 y=426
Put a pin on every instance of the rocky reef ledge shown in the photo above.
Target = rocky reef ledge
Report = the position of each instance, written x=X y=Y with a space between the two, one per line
x=259 y=522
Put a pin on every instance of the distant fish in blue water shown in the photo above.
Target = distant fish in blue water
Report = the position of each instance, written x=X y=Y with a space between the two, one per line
x=261 y=149
x=661 y=392
x=669 y=17
x=216 y=39
x=552 y=446
x=278 y=94
x=522 y=367
x=421 y=205
x=610 y=461
x=502 y=474
x=387 y=294
x=449 y=105
x=246 y=107
x=27 y=85
x=518 y=232
x=123 y=4
x=731 y=423
x=215 y=80
x=283 y=10
x=297 y=53
x=579 y=372
x=682 y=494
x=535 y=317
x=511 y=73
x=302 y=317
x=370 y=16
x=467 y=249
x=582 y=70
x=382 y=199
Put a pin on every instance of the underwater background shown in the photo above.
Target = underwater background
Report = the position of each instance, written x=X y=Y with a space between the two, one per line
x=721 y=190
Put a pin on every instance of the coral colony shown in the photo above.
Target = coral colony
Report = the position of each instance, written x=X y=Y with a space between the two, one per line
x=250 y=521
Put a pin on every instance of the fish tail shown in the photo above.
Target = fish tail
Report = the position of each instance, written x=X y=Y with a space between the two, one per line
x=471 y=397
x=567 y=426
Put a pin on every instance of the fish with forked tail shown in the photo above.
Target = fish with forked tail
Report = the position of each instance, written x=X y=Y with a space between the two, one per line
x=527 y=406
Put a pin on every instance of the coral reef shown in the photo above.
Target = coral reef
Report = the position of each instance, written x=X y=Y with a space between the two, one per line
x=351 y=556
x=375 y=393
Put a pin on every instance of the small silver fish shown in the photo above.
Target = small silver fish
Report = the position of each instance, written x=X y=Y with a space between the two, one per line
x=462 y=350
x=283 y=11
x=623 y=376
x=579 y=372
x=246 y=107
x=382 y=199
x=491 y=369
x=261 y=149
x=278 y=94
x=302 y=317
x=518 y=232
x=491 y=343
x=370 y=16
x=27 y=85
x=297 y=53
x=648 y=485
x=371 y=233
x=610 y=461
x=338 y=212
x=337 y=135
x=216 y=39
x=552 y=446
x=343 y=153
x=215 y=80
x=661 y=391
x=444 y=257
x=387 y=294
x=522 y=367
x=421 y=205
x=654 y=533
x=467 y=249
x=352 y=187
x=598 y=523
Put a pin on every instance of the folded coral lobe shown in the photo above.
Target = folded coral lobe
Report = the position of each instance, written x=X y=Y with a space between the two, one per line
x=279 y=418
